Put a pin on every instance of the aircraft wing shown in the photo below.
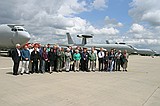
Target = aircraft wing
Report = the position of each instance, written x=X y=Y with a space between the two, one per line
x=13 y=25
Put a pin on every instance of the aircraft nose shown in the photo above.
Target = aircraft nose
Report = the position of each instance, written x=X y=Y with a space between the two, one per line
x=24 y=35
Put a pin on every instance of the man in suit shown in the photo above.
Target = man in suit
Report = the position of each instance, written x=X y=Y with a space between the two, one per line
x=84 y=60
x=16 y=57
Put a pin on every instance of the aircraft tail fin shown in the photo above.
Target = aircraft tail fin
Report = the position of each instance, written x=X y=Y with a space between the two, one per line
x=107 y=42
x=70 y=40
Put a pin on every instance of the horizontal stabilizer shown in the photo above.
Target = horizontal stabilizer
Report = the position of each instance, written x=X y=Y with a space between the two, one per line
x=13 y=25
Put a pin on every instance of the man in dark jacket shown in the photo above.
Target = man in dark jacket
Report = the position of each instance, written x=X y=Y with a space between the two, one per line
x=84 y=59
x=52 y=58
x=16 y=57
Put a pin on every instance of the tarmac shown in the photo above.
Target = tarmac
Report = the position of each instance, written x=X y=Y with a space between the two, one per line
x=140 y=86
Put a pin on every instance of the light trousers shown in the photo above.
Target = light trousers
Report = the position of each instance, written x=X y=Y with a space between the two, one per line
x=25 y=67
x=76 y=65
x=92 y=65
x=67 y=65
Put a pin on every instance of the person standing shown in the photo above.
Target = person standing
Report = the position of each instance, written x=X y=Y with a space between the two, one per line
x=55 y=59
x=95 y=51
x=16 y=57
x=45 y=60
x=106 y=59
x=30 y=48
x=118 y=60
x=59 y=59
x=48 y=48
x=111 y=60
x=72 y=61
x=125 y=60
x=101 y=58
x=68 y=57
x=40 y=61
x=35 y=57
x=84 y=59
x=25 y=60
x=51 y=58
x=92 y=58
x=76 y=58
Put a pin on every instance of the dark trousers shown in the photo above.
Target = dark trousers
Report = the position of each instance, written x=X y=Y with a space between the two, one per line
x=15 y=67
x=106 y=65
x=118 y=64
x=47 y=66
x=100 y=64
x=84 y=65
x=55 y=65
x=35 y=67
x=40 y=66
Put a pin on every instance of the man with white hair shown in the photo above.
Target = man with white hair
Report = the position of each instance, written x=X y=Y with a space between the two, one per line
x=16 y=57
x=68 y=57
x=101 y=58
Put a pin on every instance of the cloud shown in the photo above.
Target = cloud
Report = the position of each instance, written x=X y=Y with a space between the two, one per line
x=99 y=4
x=72 y=7
x=49 y=20
x=52 y=17
x=136 y=28
x=112 y=22
x=146 y=11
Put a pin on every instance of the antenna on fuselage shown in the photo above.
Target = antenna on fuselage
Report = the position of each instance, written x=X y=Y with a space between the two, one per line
x=84 y=37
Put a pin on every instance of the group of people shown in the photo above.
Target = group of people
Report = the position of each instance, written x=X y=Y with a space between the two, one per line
x=38 y=59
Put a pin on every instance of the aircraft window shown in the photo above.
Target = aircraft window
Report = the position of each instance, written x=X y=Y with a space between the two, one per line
x=20 y=29
x=13 y=29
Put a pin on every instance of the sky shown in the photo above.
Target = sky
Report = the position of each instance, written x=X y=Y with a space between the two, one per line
x=136 y=22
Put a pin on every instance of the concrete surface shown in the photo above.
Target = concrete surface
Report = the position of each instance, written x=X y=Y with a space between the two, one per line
x=140 y=86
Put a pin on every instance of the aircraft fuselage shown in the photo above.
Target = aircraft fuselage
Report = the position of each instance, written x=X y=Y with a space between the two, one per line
x=10 y=36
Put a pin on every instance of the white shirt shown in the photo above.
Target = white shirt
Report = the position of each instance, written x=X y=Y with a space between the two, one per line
x=95 y=51
x=101 y=54
x=19 y=53
x=30 y=50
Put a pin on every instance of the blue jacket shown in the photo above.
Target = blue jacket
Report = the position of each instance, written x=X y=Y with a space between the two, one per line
x=25 y=54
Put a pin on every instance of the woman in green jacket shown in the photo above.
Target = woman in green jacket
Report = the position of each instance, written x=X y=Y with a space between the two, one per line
x=76 y=58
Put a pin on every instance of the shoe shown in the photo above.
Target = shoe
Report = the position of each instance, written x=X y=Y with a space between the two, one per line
x=21 y=73
x=15 y=74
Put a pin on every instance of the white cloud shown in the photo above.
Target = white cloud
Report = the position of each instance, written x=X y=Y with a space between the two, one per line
x=112 y=22
x=152 y=17
x=146 y=11
x=72 y=7
x=52 y=17
x=99 y=4
x=136 y=28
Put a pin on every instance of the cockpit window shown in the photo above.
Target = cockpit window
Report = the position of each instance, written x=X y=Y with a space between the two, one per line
x=13 y=29
x=20 y=30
